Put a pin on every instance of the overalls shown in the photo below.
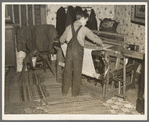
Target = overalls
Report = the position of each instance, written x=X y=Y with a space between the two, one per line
x=73 y=65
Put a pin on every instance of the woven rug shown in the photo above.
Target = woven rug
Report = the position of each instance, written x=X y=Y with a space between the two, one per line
x=31 y=88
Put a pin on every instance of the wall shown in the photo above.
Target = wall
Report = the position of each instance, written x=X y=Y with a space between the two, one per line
x=102 y=11
x=134 y=33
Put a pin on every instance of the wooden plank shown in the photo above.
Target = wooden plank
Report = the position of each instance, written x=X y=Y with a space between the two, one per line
x=110 y=41
x=72 y=107
x=27 y=15
x=30 y=97
x=36 y=79
x=43 y=14
x=13 y=17
x=37 y=14
x=14 y=94
x=33 y=14
x=20 y=20
x=23 y=15
x=132 y=54
x=89 y=110
x=30 y=93
x=54 y=91
x=35 y=92
x=8 y=13
x=108 y=33
x=59 y=99
x=42 y=92
x=30 y=15
x=16 y=14
x=110 y=38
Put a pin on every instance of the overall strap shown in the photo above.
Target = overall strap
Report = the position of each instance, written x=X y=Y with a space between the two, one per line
x=78 y=29
x=73 y=31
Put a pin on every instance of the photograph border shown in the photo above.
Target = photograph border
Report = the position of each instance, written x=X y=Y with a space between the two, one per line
x=68 y=117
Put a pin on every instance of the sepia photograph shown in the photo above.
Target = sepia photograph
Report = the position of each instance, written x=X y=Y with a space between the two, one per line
x=74 y=60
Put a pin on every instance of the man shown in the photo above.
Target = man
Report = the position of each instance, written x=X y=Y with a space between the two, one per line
x=74 y=35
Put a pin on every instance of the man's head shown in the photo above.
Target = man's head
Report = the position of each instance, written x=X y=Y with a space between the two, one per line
x=82 y=17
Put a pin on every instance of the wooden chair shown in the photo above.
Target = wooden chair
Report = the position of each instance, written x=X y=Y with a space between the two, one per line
x=119 y=73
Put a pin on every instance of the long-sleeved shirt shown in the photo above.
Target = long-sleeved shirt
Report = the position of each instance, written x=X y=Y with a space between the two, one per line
x=84 y=32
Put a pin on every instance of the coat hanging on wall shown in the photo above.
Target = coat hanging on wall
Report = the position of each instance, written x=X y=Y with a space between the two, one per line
x=71 y=15
x=60 y=21
x=92 y=22
x=78 y=8
x=85 y=11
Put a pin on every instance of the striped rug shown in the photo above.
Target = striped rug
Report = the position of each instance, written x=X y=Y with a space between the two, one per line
x=32 y=88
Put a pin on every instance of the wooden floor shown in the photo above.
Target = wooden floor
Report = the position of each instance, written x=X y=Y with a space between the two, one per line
x=90 y=102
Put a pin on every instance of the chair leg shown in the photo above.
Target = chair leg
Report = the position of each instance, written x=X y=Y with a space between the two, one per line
x=119 y=87
x=46 y=61
x=132 y=75
x=124 y=79
x=44 y=65
x=58 y=72
x=50 y=66
x=107 y=83
x=112 y=87
x=103 y=90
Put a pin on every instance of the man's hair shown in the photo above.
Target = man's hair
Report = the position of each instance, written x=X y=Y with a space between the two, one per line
x=81 y=14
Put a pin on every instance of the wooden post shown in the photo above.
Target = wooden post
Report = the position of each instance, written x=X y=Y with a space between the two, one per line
x=107 y=84
x=33 y=12
x=107 y=77
x=13 y=20
x=43 y=14
x=27 y=15
x=20 y=16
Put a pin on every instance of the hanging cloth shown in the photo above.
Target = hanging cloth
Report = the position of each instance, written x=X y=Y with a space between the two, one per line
x=92 y=22
x=85 y=10
x=78 y=8
x=60 y=21
x=70 y=16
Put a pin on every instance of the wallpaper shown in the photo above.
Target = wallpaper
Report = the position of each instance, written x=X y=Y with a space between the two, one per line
x=102 y=11
x=134 y=33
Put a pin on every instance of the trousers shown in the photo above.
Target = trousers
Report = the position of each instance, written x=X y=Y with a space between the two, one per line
x=73 y=65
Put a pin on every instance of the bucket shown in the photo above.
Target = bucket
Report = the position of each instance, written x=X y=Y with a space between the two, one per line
x=20 y=57
x=34 y=60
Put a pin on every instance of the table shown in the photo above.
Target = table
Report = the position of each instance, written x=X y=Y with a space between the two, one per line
x=88 y=68
x=122 y=53
x=113 y=50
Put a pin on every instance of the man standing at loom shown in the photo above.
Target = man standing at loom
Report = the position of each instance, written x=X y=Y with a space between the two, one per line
x=74 y=35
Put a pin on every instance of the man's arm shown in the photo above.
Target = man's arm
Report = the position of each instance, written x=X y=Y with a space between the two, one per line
x=89 y=34
x=63 y=37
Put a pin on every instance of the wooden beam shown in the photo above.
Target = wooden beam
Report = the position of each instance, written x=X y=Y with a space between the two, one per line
x=20 y=22
x=132 y=54
x=13 y=20
x=33 y=12
x=27 y=15
x=43 y=14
